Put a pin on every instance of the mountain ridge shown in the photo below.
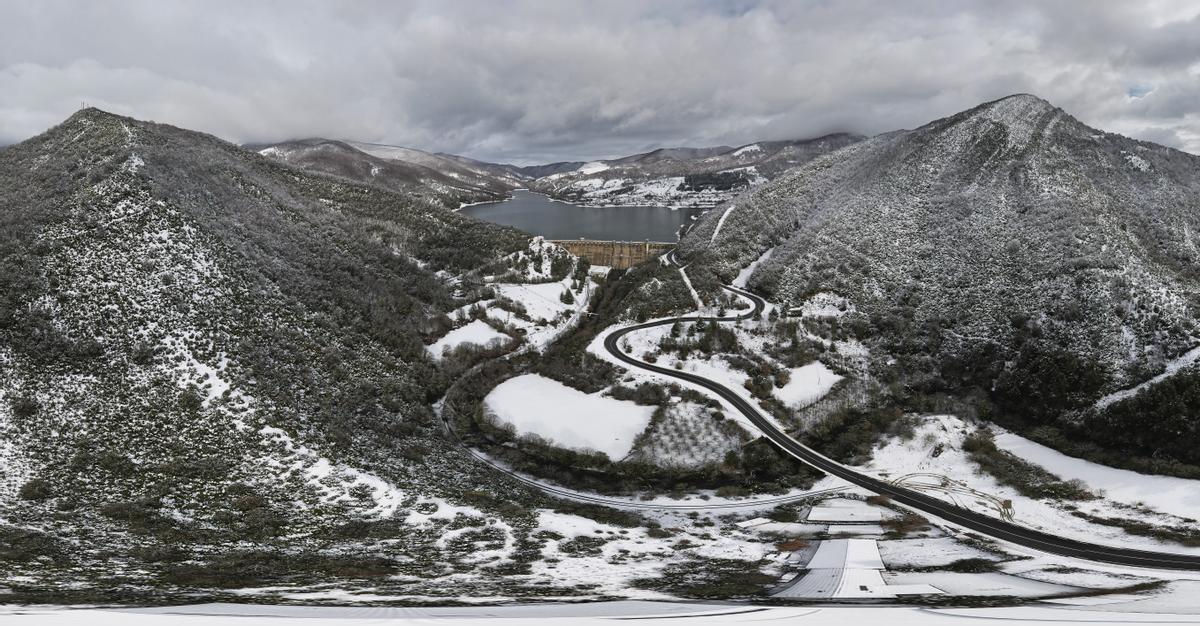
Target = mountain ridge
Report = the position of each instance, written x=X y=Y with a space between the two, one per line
x=211 y=359
x=684 y=177
x=982 y=247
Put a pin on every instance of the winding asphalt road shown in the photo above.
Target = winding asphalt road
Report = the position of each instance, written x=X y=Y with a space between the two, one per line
x=971 y=520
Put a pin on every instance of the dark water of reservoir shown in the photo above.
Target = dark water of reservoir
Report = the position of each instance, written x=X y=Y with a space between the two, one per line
x=539 y=215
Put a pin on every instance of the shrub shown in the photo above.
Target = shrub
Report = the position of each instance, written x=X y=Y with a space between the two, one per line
x=36 y=489
x=25 y=406
x=904 y=524
x=22 y=544
x=784 y=514
x=791 y=545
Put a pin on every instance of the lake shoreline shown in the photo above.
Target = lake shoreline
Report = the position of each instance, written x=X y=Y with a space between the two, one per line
x=540 y=214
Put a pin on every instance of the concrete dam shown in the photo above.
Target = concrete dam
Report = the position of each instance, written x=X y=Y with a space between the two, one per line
x=615 y=254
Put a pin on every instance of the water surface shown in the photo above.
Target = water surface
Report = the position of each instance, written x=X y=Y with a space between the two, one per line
x=539 y=215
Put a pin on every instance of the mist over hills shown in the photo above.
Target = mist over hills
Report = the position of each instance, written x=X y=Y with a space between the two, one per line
x=1008 y=251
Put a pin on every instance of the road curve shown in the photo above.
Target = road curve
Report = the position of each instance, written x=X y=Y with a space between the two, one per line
x=971 y=520
x=629 y=504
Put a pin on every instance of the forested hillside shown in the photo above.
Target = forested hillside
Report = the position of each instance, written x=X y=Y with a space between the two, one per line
x=339 y=158
x=201 y=348
x=1009 y=253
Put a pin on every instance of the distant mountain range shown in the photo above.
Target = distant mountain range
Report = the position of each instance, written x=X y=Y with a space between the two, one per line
x=694 y=177
x=1008 y=253
x=684 y=177
x=446 y=179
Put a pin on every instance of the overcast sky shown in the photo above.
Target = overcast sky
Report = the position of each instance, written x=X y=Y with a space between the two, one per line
x=552 y=80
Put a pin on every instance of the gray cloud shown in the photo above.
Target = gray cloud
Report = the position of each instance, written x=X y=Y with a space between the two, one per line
x=531 y=81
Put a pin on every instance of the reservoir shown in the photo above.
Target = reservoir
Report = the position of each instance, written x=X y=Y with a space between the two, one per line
x=539 y=215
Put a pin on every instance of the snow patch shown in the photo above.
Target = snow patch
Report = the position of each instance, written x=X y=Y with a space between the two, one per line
x=743 y=277
x=333 y=482
x=1174 y=367
x=750 y=149
x=1176 y=496
x=536 y=405
x=1137 y=162
x=593 y=167
x=721 y=222
x=478 y=332
x=807 y=384
x=825 y=304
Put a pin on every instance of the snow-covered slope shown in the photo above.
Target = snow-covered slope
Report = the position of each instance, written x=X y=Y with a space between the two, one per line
x=468 y=171
x=684 y=177
x=205 y=354
x=446 y=179
x=1029 y=255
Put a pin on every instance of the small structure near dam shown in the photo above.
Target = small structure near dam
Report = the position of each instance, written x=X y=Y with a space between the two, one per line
x=615 y=254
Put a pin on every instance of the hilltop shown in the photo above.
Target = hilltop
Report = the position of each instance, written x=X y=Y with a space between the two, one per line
x=446 y=179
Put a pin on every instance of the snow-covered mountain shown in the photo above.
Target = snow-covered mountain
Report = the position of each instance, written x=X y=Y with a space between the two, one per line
x=447 y=179
x=210 y=361
x=221 y=375
x=684 y=177
x=463 y=169
x=1009 y=249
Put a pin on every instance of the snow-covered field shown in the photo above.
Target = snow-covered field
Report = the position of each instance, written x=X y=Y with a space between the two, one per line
x=477 y=332
x=928 y=552
x=1167 y=494
x=807 y=384
x=541 y=300
x=570 y=418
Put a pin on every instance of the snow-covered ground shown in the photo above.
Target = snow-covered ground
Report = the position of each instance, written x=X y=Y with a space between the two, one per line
x=807 y=384
x=949 y=474
x=983 y=584
x=743 y=277
x=477 y=332
x=567 y=417
x=928 y=552
x=541 y=300
x=1176 y=496
x=1161 y=609
x=825 y=304
x=847 y=510
x=848 y=568
x=1187 y=359
x=315 y=480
